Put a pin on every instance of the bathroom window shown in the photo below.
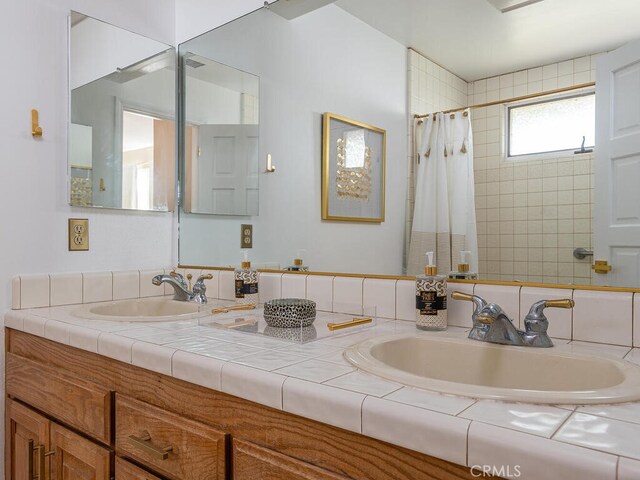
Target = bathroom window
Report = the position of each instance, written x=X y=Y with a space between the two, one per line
x=557 y=125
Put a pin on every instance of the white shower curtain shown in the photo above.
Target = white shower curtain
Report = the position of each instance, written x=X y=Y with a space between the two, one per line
x=444 y=217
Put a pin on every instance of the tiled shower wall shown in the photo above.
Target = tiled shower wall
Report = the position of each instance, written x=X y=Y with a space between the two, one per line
x=532 y=213
x=431 y=89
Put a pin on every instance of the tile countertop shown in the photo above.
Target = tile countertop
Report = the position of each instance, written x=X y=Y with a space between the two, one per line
x=514 y=440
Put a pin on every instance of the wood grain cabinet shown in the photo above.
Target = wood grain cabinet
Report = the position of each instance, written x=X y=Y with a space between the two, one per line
x=37 y=448
x=76 y=415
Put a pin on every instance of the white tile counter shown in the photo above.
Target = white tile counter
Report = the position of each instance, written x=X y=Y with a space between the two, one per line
x=313 y=380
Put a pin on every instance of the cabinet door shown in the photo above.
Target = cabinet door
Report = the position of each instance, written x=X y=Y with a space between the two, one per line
x=76 y=458
x=251 y=462
x=26 y=435
x=128 y=471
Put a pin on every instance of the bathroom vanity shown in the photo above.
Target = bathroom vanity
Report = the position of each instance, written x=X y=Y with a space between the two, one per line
x=78 y=415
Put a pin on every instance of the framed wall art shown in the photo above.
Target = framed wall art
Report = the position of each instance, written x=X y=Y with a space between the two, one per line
x=353 y=170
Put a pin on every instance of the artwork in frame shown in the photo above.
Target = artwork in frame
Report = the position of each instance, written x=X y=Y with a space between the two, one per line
x=353 y=170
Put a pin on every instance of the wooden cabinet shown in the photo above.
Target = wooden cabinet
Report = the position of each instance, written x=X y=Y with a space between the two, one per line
x=76 y=415
x=173 y=446
x=251 y=462
x=37 y=448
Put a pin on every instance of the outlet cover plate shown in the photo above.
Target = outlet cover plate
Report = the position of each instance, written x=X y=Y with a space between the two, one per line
x=78 y=234
x=246 y=236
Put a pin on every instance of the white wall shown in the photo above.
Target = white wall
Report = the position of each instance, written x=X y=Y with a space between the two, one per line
x=326 y=61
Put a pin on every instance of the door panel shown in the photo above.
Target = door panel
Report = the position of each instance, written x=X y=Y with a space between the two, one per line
x=76 y=458
x=26 y=432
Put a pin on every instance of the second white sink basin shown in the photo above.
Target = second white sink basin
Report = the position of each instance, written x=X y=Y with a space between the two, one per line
x=483 y=370
x=156 y=309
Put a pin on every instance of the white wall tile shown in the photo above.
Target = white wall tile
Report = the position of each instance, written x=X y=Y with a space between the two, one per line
x=270 y=286
x=294 y=286
x=508 y=297
x=459 y=311
x=15 y=293
x=560 y=319
x=212 y=284
x=198 y=369
x=381 y=294
x=148 y=289
x=126 y=285
x=34 y=325
x=406 y=300
x=347 y=295
x=226 y=285
x=16 y=320
x=320 y=290
x=84 y=338
x=604 y=317
x=156 y=358
x=431 y=433
x=628 y=469
x=537 y=458
x=97 y=287
x=331 y=405
x=252 y=384
x=34 y=291
x=57 y=331
x=66 y=289
x=116 y=347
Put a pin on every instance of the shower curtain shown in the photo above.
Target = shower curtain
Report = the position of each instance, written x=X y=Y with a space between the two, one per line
x=444 y=217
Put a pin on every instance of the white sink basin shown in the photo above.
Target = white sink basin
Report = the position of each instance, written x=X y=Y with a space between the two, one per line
x=142 y=310
x=483 y=370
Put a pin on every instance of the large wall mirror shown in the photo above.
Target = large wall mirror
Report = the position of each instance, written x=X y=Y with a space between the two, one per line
x=533 y=186
x=122 y=118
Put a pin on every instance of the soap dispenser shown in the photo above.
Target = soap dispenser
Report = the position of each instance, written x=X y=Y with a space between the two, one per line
x=431 y=298
x=246 y=283
x=298 y=265
x=463 y=272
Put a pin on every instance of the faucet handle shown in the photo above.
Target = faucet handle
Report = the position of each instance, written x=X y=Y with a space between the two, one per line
x=478 y=301
x=204 y=277
x=536 y=321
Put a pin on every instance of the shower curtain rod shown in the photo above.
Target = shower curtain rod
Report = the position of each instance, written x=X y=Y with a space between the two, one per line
x=514 y=99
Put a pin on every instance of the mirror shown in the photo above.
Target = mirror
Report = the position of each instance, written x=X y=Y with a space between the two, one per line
x=532 y=213
x=122 y=118
x=221 y=111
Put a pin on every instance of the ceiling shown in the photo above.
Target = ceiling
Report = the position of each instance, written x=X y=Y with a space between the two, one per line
x=474 y=40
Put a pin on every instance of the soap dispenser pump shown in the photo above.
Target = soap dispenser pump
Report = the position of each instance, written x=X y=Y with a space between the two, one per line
x=246 y=282
x=463 y=272
x=298 y=264
x=431 y=298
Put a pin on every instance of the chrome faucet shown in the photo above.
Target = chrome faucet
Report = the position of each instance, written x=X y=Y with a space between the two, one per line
x=492 y=324
x=181 y=290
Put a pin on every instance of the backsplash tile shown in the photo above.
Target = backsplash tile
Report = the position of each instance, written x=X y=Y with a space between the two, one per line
x=459 y=311
x=560 y=319
x=148 y=289
x=227 y=286
x=347 y=295
x=270 y=286
x=294 y=286
x=320 y=290
x=15 y=293
x=381 y=294
x=65 y=289
x=213 y=283
x=97 y=287
x=604 y=317
x=406 y=300
x=34 y=291
x=126 y=285
x=505 y=296
x=636 y=319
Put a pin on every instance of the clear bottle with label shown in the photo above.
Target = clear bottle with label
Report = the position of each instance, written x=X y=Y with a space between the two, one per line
x=431 y=298
x=246 y=282
x=463 y=272
x=298 y=265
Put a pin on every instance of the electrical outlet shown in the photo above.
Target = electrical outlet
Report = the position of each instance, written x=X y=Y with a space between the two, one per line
x=246 y=236
x=78 y=234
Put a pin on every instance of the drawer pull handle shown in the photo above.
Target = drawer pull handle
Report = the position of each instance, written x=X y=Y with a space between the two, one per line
x=350 y=323
x=144 y=443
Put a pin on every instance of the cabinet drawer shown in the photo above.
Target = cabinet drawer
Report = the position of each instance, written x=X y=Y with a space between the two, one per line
x=128 y=471
x=173 y=446
x=74 y=401
x=251 y=462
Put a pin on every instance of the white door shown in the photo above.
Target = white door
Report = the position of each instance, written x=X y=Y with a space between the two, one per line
x=227 y=181
x=617 y=166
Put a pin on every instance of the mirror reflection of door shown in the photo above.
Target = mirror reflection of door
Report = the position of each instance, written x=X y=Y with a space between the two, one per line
x=227 y=161
x=148 y=146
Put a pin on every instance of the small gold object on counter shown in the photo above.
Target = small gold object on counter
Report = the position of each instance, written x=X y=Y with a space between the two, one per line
x=350 y=323
x=232 y=308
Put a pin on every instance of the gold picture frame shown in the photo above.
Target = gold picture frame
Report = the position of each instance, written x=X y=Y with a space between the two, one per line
x=353 y=170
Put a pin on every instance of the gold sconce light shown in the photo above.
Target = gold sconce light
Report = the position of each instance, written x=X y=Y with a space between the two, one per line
x=36 y=129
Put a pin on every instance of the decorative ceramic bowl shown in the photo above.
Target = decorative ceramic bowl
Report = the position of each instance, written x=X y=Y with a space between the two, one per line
x=298 y=335
x=289 y=312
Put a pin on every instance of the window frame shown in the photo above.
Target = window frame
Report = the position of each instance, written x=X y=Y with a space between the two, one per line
x=525 y=103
